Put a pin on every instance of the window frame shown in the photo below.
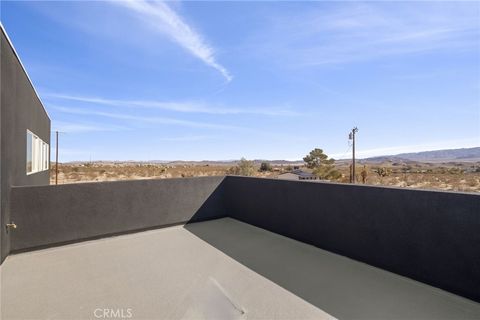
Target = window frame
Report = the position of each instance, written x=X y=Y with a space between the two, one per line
x=39 y=155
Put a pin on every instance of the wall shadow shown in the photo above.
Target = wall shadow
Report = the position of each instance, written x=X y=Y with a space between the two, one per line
x=342 y=287
x=429 y=236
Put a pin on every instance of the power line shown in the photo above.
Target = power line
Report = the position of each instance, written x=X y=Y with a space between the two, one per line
x=343 y=155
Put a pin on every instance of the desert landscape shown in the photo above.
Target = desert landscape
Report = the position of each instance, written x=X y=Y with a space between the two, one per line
x=438 y=173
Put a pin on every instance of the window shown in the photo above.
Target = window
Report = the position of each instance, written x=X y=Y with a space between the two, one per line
x=29 y=152
x=45 y=161
x=37 y=154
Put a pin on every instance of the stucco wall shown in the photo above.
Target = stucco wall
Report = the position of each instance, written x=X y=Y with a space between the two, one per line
x=50 y=215
x=430 y=236
x=20 y=109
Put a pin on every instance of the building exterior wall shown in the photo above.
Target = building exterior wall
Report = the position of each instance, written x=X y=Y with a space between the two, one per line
x=20 y=109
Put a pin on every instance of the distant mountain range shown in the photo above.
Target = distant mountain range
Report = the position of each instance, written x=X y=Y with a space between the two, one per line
x=449 y=155
x=187 y=163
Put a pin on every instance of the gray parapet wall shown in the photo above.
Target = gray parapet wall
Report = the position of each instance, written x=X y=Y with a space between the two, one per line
x=430 y=236
x=53 y=215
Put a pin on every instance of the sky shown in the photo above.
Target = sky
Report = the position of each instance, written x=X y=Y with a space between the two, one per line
x=138 y=80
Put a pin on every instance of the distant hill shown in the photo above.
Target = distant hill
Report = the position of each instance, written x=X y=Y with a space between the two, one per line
x=234 y=162
x=448 y=155
x=187 y=163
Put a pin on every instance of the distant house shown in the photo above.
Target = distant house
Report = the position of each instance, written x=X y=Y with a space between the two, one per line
x=297 y=174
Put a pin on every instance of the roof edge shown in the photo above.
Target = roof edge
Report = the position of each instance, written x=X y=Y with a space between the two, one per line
x=23 y=67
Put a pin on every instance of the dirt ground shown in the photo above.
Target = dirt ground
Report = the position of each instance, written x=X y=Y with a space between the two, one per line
x=441 y=176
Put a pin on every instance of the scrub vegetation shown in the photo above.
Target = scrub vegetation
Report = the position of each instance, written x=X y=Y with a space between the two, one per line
x=451 y=176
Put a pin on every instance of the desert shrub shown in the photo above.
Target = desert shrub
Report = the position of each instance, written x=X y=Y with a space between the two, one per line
x=243 y=168
x=265 y=166
x=383 y=172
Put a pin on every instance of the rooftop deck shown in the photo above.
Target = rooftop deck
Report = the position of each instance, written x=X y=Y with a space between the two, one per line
x=219 y=269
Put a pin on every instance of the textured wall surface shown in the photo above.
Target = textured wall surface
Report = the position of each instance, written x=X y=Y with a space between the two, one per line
x=50 y=215
x=430 y=236
x=20 y=109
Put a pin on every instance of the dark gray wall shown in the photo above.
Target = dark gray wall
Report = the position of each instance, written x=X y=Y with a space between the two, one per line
x=430 y=236
x=20 y=109
x=50 y=215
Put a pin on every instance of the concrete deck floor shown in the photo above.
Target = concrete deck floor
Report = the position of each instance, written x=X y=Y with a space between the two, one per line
x=220 y=269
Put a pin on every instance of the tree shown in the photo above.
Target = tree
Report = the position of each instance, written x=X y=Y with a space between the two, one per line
x=265 y=166
x=243 y=168
x=322 y=166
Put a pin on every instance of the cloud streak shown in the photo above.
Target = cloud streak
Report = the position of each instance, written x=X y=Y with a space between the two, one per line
x=186 y=138
x=150 y=120
x=184 y=107
x=75 y=127
x=360 y=32
x=167 y=21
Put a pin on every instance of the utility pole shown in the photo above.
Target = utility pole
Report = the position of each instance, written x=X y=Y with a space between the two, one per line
x=56 y=158
x=351 y=136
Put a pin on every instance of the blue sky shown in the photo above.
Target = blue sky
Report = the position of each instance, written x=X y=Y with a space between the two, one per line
x=135 y=80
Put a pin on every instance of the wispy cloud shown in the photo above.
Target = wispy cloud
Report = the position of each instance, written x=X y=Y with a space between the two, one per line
x=357 y=32
x=76 y=127
x=144 y=119
x=165 y=20
x=186 y=107
x=185 y=138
